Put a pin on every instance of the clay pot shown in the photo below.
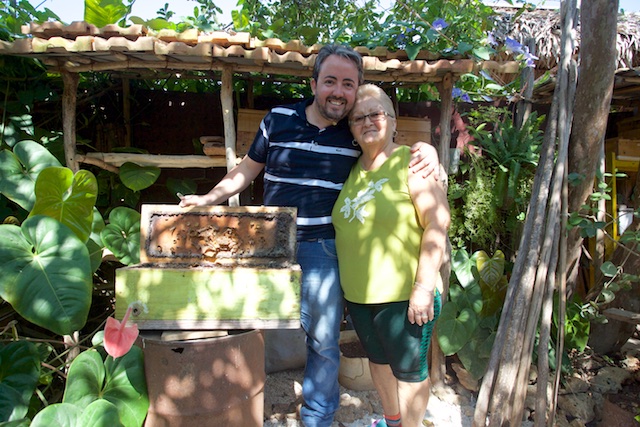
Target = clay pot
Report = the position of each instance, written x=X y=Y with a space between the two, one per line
x=354 y=372
x=205 y=382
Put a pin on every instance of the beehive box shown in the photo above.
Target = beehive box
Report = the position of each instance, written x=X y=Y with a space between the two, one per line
x=213 y=267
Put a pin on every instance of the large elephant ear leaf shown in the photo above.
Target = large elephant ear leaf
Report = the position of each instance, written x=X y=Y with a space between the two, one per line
x=464 y=267
x=491 y=269
x=19 y=375
x=455 y=327
x=120 y=381
x=138 y=177
x=67 y=197
x=45 y=274
x=58 y=415
x=101 y=413
x=122 y=235
x=19 y=170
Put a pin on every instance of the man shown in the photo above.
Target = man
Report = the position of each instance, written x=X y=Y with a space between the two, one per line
x=307 y=151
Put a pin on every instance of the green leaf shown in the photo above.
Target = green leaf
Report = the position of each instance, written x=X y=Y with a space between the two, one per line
x=100 y=413
x=67 y=197
x=412 y=51
x=58 y=415
x=19 y=373
x=493 y=86
x=104 y=12
x=609 y=269
x=463 y=266
x=483 y=52
x=138 y=177
x=45 y=274
x=491 y=269
x=95 y=246
x=493 y=296
x=455 y=328
x=469 y=297
x=158 y=24
x=120 y=381
x=473 y=356
x=122 y=235
x=19 y=170
x=464 y=47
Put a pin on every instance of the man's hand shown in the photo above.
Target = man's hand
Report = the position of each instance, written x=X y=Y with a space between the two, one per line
x=424 y=160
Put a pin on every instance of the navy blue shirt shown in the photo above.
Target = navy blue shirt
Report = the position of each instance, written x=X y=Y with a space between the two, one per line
x=305 y=166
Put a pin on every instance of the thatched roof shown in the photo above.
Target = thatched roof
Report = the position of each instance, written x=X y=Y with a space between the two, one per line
x=543 y=27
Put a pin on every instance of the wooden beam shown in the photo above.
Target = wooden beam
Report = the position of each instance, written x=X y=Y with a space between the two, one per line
x=162 y=161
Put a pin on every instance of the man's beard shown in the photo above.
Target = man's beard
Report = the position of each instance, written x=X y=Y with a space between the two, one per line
x=328 y=113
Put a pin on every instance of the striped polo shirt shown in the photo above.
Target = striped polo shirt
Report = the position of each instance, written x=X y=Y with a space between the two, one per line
x=305 y=166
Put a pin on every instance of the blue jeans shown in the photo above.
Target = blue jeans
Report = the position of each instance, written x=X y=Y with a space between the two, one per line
x=321 y=313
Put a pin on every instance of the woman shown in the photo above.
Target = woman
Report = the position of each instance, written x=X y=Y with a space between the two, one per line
x=391 y=230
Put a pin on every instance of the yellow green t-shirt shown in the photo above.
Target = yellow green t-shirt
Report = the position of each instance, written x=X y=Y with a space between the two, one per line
x=378 y=233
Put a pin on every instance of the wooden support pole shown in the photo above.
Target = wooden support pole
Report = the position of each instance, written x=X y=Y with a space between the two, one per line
x=438 y=360
x=226 y=99
x=69 y=100
x=446 y=107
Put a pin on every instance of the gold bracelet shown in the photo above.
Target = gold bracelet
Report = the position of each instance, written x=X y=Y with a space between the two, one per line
x=423 y=287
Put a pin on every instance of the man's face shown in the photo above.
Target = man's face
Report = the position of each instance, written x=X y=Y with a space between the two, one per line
x=335 y=89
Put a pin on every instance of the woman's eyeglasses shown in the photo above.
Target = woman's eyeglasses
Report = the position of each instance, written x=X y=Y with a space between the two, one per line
x=377 y=116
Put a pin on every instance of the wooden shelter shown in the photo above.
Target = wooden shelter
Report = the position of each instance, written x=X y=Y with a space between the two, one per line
x=81 y=47
x=540 y=29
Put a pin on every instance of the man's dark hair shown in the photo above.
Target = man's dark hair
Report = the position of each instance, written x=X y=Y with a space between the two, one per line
x=345 y=52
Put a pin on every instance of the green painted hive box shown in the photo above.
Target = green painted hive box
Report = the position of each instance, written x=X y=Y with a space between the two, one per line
x=213 y=267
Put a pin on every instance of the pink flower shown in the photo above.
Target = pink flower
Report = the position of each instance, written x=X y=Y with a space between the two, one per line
x=118 y=337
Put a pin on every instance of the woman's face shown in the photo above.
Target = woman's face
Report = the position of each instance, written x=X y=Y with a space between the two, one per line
x=370 y=124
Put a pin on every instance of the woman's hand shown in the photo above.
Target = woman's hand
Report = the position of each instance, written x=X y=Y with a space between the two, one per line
x=424 y=160
x=421 y=304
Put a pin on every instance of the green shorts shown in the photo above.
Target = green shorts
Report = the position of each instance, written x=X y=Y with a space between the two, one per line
x=389 y=338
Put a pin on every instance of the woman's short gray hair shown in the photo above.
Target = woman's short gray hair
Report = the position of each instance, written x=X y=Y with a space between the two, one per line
x=376 y=92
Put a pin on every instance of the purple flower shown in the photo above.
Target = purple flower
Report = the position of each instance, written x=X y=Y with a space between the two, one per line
x=491 y=39
x=463 y=96
x=513 y=45
x=529 y=57
x=439 y=24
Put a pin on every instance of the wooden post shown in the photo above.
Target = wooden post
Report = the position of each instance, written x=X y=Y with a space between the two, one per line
x=69 y=98
x=226 y=100
x=438 y=359
x=446 y=106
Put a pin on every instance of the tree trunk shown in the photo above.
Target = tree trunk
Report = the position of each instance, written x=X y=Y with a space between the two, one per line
x=593 y=99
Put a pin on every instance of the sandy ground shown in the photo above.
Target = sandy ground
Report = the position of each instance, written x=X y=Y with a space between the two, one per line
x=359 y=408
